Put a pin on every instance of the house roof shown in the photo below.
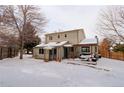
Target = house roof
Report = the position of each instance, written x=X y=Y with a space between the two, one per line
x=68 y=45
x=64 y=31
x=48 y=47
x=51 y=45
x=61 y=43
x=40 y=45
x=89 y=41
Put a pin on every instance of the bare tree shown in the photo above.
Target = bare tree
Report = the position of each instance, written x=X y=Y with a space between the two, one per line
x=17 y=17
x=111 y=23
x=8 y=36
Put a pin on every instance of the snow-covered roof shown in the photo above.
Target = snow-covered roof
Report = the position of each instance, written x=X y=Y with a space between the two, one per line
x=61 y=43
x=48 y=47
x=68 y=45
x=61 y=31
x=51 y=45
x=40 y=45
x=89 y=41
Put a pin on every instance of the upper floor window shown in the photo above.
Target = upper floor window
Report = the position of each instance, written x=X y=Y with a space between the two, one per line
x=65 y=35
x=50 y=37
x=58 y=36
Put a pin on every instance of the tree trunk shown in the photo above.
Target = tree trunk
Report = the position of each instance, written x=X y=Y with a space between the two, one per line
x=123 y=55
x=28 y=51
x=21 y=48
x=21 y=52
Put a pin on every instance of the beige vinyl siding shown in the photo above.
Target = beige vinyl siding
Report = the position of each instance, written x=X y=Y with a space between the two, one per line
x=73 y=37
x=36 y=53
x=81 y=35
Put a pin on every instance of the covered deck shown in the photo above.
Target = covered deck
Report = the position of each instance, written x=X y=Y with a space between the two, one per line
x=55 y=50
x=88 y=46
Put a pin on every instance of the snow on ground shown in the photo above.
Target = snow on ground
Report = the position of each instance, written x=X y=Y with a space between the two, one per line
x=35 y=72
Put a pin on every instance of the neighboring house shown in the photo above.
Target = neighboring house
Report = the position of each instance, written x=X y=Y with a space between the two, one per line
x=8 y=51
x=60 y=45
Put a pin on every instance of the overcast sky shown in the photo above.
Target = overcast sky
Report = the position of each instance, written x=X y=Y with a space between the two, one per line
x=72 y=17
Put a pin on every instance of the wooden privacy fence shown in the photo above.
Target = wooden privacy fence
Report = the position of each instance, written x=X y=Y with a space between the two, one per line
x=104 y=49
x=112 y=54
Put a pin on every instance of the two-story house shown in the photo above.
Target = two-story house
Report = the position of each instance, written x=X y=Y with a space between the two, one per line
x=60 y=45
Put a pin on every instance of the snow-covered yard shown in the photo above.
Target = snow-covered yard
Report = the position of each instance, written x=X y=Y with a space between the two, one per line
x=35 y=72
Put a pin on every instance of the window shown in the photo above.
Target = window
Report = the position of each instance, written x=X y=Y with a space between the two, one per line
x=72 y=49
x=50 y=37
x=41 y=51
x=58 y=36
x=85 y=49
x=50 y=52
x=65 y=35
x=54 y=51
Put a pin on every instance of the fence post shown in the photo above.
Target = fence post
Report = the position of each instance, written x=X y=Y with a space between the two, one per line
x=1 y=53
x=123 y=56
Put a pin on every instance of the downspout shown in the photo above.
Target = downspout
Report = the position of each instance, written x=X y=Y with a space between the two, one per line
x=97 y=44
